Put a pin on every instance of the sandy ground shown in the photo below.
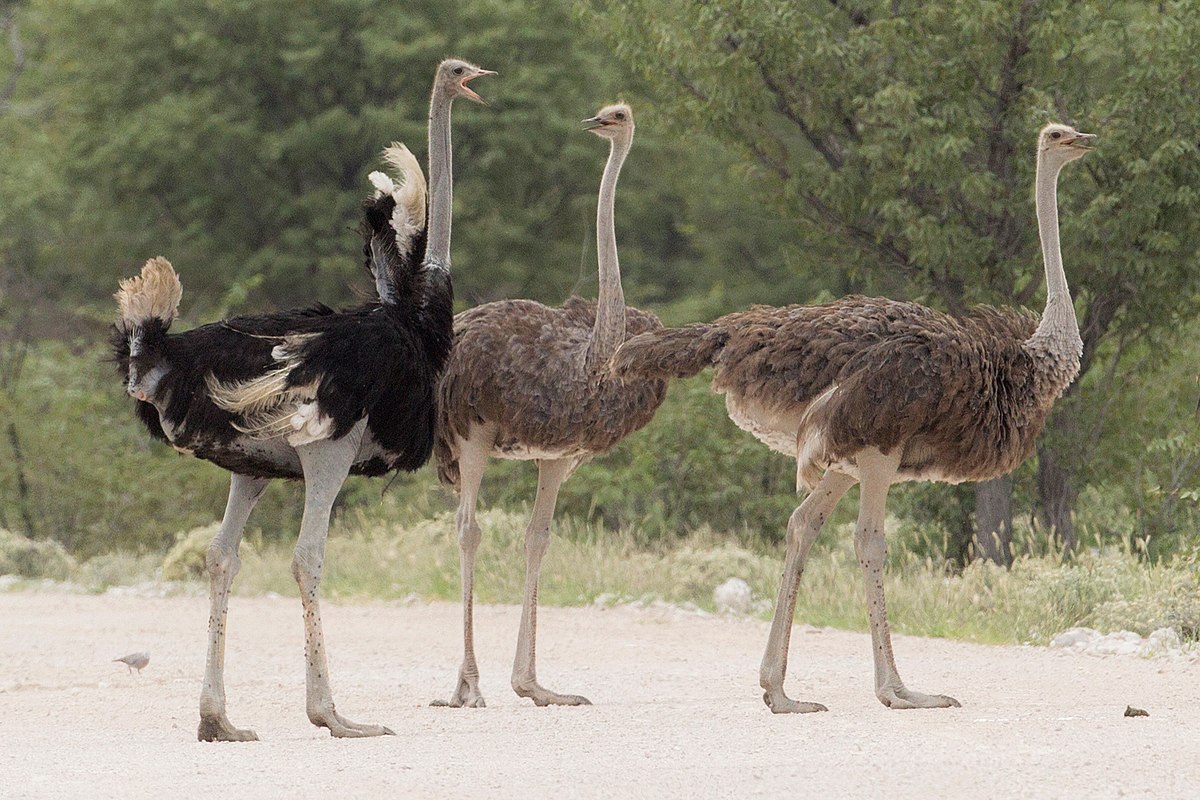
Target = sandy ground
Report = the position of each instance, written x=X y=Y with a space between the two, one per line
x=677 y=714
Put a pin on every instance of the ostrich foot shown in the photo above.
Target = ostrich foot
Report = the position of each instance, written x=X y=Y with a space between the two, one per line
x=342 y=728
x=466 y=695
x=218 y=728
x=544 y=697
x=780 y=703
x=901 y=697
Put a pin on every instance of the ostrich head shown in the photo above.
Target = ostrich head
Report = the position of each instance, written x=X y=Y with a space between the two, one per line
x=453 y=74
x=1062 y=143
x=611 y=122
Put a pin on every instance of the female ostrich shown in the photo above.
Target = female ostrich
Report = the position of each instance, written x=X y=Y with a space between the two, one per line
x=529 y=382
x=876 y=392
x=310 y=394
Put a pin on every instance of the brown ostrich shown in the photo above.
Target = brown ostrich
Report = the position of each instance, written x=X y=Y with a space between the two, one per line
x=529 y=382
x=875 y=392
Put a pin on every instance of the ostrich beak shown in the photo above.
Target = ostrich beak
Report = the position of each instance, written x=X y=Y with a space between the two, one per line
x=467 y=89
x=1083 y=141
x=591 y=123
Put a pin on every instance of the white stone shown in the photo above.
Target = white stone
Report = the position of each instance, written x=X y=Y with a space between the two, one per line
x=1164 y=641
x=733 y=596
x=1075 y=637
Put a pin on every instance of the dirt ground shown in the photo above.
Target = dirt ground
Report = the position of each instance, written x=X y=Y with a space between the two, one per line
x=677 y=710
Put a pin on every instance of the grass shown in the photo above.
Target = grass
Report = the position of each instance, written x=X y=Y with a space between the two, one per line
x=380 y=554
x=388 y=552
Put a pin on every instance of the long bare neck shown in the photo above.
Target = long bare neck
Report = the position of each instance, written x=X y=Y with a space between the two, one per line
x=441 y=179
x=609 y=330
x=1055 y=344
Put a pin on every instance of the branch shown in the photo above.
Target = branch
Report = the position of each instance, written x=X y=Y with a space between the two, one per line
x=1025 y=295
x=884 y=245
x=829 y=150
x=1093 y=437
x=1000 y=150
x=856 y=15
x=9 y=25
x=688 y=84
x=1099 y=316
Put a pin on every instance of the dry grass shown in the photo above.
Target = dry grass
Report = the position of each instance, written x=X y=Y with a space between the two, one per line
x=374 y=555
x=391 y=552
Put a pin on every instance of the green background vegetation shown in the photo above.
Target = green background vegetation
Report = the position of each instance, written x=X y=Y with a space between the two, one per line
x=787 y=152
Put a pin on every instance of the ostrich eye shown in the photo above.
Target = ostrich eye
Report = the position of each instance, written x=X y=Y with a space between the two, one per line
x=620 y=115
x=458 y=70
x=1056 y=135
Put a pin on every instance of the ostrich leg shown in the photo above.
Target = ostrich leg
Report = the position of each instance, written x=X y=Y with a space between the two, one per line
x=326 y=464
x=223 y=564
x=471 y=461
x=876 y=473
x=551 y=474
x=803 y=527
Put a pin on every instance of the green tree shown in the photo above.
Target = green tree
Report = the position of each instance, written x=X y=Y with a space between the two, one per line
x=235 y=138
x=898 y=136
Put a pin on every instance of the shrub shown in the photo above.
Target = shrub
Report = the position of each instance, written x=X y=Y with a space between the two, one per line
x=31 y=558
x=186 y=560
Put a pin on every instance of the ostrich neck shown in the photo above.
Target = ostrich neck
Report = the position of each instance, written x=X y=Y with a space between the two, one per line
x=1055 y=344
x=441 y=179
x=609 y=330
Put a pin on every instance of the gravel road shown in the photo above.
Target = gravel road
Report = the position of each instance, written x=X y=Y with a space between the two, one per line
x=678 y=711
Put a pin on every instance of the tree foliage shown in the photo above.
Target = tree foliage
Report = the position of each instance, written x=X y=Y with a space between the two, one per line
x=235 y=137
x=899 y=136
x=786 y=152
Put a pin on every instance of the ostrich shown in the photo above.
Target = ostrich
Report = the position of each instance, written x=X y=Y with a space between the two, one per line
x=310 y=394
x=529 y=382
x=874 y=392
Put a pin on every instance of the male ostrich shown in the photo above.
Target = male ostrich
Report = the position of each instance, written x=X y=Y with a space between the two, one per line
x=876 y=392
x=529 y=382
x=310 y=394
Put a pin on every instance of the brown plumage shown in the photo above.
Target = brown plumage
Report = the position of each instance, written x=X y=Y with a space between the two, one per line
x=518 y=367
x=874 y=391
x=959 y=395
x=529 y=382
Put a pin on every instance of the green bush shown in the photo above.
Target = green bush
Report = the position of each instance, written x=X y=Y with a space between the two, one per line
x=186 y=561
x=95 y=480
x=31 y=558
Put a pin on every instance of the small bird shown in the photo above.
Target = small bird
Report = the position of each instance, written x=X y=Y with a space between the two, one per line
x=134 y=661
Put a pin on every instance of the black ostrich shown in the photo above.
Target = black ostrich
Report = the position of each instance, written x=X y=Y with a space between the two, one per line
x=310 y=394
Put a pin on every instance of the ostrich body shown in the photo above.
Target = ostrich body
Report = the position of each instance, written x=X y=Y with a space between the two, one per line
x=873 y=391
x=311 y=394
x=525 y=381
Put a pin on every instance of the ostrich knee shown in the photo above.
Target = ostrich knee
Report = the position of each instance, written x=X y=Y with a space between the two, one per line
x=870 y=545
x=803 y=527
x=469 y=532
x=222 y=562
x=537 y=542
x=306 y=570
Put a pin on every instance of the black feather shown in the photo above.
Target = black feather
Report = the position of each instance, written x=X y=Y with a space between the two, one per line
x=380 y=361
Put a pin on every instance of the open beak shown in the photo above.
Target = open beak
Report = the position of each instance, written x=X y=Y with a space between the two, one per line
x=1083 y=141
x=591 y=123
x=468 y=91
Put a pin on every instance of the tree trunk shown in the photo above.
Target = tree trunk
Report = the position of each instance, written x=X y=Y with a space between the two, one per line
x=960 y=519
x=1056 y=497
x=993 y=520
x=14 y=442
